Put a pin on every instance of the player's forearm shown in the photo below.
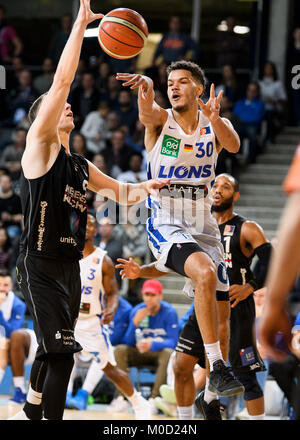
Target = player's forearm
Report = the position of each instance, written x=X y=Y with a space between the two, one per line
x=69 y=59
x=227 y=137
x=285 y=261
x=150 y=271
x=131 y=193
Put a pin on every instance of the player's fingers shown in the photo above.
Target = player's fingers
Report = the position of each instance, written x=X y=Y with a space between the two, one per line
x=212 y=91
x=219 y=97
x=121 y=260
x=201 y=103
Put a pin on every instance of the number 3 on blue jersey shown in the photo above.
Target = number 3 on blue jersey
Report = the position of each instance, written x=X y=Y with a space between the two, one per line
x=92 y=274
x=204 y=149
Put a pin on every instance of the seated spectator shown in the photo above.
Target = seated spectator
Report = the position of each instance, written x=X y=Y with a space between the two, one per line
x=273 y=94
x=84 y=99
x=12 y=75
x=175 y=44
x=42 y=83
x=10 y=43
x=117 y=154
x=60 y=37
x=127 y=110
x=112 y=123
x=102 y=78
x=160 y=78
x=136 y=140
x=10 y=207
x=135 y=173
x=94 y=128
x=107 y=242
x=79 y=146
x=151 y=337
x=22 y=97
x=5 y=245
x=111 y=94
x=81 y=69
x=22 y=351
x=229 y=84
x=119 y=324
x=12 y=312
x=250 y=111
x=12 y=154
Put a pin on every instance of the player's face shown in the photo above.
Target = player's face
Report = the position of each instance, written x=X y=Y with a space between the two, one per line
x=91 y=228
x=223 y=193
x=66 y=122
x=151 y=300
x=183 y=90
x=5 y=285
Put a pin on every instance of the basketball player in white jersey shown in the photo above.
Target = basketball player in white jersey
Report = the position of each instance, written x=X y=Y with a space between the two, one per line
x=99 y=302
x=182 y=144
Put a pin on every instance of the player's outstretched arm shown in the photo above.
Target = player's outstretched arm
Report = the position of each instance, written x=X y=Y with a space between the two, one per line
x=53 y=104
x=131 y=270
x=150 y=113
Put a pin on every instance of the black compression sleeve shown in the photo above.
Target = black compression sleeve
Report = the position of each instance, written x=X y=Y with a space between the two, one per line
x=260 y=269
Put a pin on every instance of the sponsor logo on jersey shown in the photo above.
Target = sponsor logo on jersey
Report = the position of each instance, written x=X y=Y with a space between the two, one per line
x=205 y=130
x=41 y=228
x=183 y=172
x=229 y=230
x=188 y=148
x=170 y=146
x=68 y=240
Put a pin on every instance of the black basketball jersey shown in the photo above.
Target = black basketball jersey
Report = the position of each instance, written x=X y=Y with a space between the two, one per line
x=237 y=264
x=54 y=209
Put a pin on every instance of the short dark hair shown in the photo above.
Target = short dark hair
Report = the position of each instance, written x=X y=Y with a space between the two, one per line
x=5 y=273
x=33 y=111
x=196 y=71
x=236 y=185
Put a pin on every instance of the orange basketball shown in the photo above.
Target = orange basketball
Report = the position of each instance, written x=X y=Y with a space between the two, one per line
x=122 y=33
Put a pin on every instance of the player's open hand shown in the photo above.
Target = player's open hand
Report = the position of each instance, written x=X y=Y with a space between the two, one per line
x=239 y=292
x=129 y=268
x=86 y=14
x=153 y=186
x=212 y=108
x=135 y=80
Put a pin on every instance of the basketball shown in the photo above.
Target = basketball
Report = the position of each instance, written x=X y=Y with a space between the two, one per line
x=122 y=33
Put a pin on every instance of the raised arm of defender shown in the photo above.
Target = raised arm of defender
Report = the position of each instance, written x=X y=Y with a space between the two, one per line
x=42 y=138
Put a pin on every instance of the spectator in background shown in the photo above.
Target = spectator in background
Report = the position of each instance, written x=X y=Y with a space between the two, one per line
x=229 y=83
x=81 y=69
x=102 y=78
x=160 y=78
x=12 y=312
x=157 y=322
x=119 y=324
x=250 y=111
x=112 y=123
x=230 y=46
x=111 y=93
x=12 y=154
x=136 y=140
x=175 y=44
x=117 y=154
x=10 y=43
x=21 y=98
x=79 y=146
x=135 y=173
x=107 y=242
x=5 y=245
x=59 y=38
x=10 y=207
x=127 y=110
x=94 y=128
x=273 y=94
x=42 y=83
x=84 y=99
x=12 y=75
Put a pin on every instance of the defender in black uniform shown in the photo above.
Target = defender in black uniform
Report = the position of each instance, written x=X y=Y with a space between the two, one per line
x=53 y=195
x=242 y=240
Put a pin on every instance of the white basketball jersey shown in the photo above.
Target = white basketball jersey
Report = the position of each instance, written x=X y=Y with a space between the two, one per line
x=189 y=161
x=92 y=291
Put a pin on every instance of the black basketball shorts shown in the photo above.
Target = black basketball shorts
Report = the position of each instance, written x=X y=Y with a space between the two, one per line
x=52 y=292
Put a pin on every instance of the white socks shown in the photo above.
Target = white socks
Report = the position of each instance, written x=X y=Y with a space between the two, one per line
x=213 y=353
x=185 y=412
x=134 y=398
x=34 y=397
x=19 y=382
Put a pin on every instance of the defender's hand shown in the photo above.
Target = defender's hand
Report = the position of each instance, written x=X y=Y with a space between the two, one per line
x=85 y=14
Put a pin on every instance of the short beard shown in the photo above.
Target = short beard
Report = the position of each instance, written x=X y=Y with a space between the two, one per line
x=223 y=207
